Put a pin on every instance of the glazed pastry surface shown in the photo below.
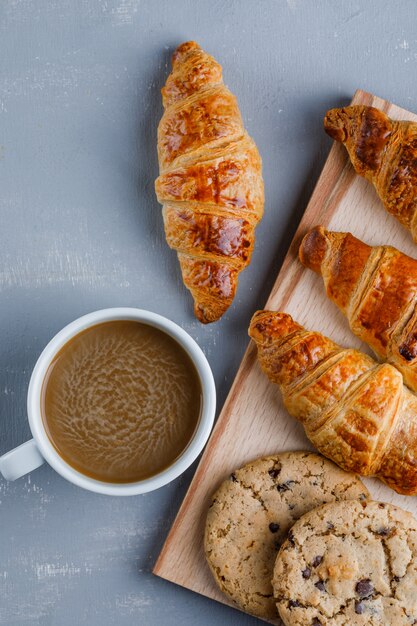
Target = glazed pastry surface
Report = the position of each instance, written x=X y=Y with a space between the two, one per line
x=375 y=287
x=210 y=181
x=357 y=412
x=384 y=152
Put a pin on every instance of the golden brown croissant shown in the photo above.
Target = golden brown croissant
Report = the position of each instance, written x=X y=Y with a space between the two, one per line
x=375 y=287
x=210 y=180
x=356 y=411
x=384 y=152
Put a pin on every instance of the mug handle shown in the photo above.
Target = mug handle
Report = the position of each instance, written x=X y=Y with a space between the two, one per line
x=21 y=460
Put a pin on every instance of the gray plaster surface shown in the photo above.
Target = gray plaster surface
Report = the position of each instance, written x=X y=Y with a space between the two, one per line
x=81 y=230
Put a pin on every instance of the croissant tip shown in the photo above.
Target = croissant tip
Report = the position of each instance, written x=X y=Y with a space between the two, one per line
x=183 y=49
x=335 y=124
x=258 y=325
x=265 y=326
x=205 y=315
x=313 y=248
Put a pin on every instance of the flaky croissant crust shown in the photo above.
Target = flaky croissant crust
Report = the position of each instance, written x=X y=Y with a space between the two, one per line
x=356 y=411
x=384 y=151
x=375 y=287
x=210 y=181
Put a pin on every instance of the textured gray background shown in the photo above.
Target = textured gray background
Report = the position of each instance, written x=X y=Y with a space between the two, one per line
x=81 y=230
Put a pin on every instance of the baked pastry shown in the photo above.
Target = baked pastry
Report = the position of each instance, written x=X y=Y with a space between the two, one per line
x=356 y=411
x=349 y=563
x=384 y=152
x=251 y=513
x=210 y=181
x=375 y=287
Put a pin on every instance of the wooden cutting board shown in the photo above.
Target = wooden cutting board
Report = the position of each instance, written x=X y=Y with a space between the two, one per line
x=253 y=421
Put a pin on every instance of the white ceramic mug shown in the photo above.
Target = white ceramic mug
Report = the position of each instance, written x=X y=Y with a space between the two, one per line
x=36 y=451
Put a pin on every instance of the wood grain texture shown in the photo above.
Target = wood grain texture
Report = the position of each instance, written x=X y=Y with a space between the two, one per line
x=253 y=421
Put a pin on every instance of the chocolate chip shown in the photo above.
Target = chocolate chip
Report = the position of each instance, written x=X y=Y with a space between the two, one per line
x=306 y=572
x=316 y=561
x=293 y=604
x=359 y=607
x=316 y=622
x=285 y=486
x=274 y=472
x=274 y=528
x=291 y=538
x=320 y=585
x=233 y=478
x=383 y=532
x=277 y=545
x=364 y=588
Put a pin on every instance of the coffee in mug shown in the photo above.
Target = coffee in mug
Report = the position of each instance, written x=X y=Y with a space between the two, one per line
x=120 y=401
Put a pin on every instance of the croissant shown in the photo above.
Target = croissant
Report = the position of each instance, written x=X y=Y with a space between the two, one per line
x=384 y=152
x=375 y=287
x=356 y=411
x=210 y=181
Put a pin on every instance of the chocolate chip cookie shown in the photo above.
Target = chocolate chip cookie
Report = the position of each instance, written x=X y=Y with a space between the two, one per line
x=250 y=516
x=349 y=563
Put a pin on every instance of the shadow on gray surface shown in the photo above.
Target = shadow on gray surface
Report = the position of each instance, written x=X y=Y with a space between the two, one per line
x=299 y=205
x=154 y=75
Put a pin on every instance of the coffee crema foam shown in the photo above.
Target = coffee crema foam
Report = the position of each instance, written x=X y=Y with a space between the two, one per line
x=121 y=401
